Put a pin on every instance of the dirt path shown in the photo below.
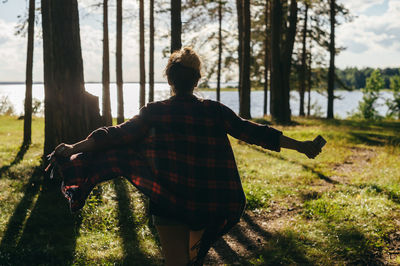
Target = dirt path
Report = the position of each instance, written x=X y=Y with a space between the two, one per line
x=256 y=231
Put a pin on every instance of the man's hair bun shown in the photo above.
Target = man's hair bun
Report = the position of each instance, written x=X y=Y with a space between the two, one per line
x=183 y=69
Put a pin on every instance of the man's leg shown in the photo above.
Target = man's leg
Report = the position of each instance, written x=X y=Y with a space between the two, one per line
x=174 y=242
x=195 y=237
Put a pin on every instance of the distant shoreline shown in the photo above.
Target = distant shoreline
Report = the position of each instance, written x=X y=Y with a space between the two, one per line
x=88 y=82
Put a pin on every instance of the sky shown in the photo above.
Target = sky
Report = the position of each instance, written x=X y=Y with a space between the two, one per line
x=371 y=39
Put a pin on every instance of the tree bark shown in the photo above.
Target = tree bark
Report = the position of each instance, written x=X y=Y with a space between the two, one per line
x=309 y=83
x=331 y=72
x=266 y=56
x=68 y=116
x=142 y=96
x=281 y=54
x=303 y=63
x=120 y=95
x=276 y=80
x=219 y=50
x=176 y=25
x=239 y=9
x=151 y=53
x=28 y=81
x=244 y=100
x=106 y=110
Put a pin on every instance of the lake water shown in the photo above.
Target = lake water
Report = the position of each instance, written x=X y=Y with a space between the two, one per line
x=347 y=103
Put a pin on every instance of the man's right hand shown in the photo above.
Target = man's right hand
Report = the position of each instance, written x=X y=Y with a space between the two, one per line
x=309 y=148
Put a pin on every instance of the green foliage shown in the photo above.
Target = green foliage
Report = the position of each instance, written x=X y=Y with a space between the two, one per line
x=394 y=104
x=374 y=84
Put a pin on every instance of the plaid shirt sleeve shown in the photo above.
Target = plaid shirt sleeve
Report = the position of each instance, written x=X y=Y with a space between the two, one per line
x=250 y=132
x=122 y=134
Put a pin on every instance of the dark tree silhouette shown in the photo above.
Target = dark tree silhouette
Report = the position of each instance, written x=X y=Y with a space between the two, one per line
x=151 y=52
x=239 y=10
x=267 y=52
x=70 y=112
x=176 y=25
x=28 y=82
x=309 y=80
x=142 y=96
x=120 y=93
x=282 y=40
x=303 y=69
x=220 y=4
x=331 y=72
x=244 y=93
x=106 y=110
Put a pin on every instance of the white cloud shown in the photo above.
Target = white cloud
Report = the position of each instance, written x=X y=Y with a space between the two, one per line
x=359 y=6
x=371 y=40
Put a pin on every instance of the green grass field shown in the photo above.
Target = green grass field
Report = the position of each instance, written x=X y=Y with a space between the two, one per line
x=341 y=208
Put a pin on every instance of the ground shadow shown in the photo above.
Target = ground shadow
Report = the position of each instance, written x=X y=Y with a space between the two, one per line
x=356 y=248
x=260 y=246
x=374 y=139
x=360 y=124
x=20 y=155
x=49 y=234
x=305 y=167
x=133 y=252
x=15 y=224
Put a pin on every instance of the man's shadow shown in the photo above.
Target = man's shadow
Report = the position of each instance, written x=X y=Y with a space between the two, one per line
x=41 y=230
x=20 y=155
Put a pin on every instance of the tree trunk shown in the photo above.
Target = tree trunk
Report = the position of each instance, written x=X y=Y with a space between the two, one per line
x=266 y=56
x=28 y=82
x=239 y=9
x=281 y=53
x=176 y=25
x=331 y=72
x=244 y=100
x=151 y=53
x=120 y=94
x=106 y=112
x=142 y=96
x=309 y=84
x=303 y=63
x=219 y=50
x=66 y=103
x=276 y=81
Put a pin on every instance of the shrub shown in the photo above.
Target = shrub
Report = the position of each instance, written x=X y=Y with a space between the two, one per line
x=394 y=104
x=374 y=84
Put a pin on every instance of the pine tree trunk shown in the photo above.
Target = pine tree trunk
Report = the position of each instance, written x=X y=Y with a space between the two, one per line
x=281 y=53
x=276 y=76
x=69 y=110
x=309 y=84
x=303 y=63
x=266 y=56
x=244 y=100
x=176 y=25
x=142 y=96
x=120 y=95
x=151 y=53
x=239 y=9
x=106 y=110
x=28 y=82
x=219 y=50
x=331 y=72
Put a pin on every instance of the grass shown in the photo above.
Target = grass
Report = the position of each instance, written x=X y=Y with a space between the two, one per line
x=341 y=208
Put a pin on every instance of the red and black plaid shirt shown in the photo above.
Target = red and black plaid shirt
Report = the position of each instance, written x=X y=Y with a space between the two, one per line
x=176 y=152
